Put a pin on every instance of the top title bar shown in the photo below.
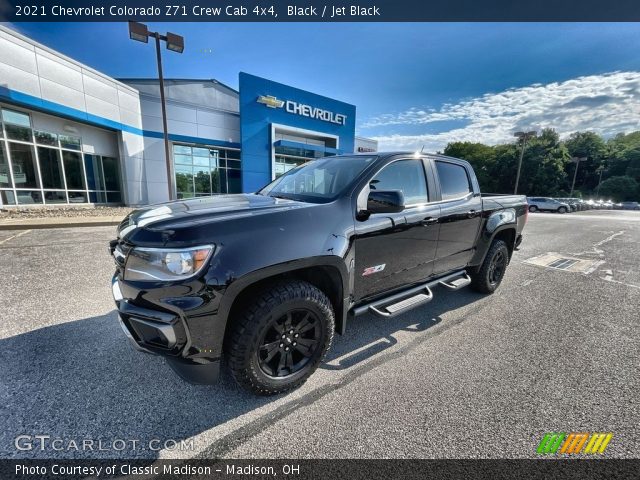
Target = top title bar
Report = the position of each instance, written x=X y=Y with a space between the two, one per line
x=319 y=11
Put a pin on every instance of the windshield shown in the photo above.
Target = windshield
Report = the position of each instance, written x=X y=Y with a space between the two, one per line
x=318 y=181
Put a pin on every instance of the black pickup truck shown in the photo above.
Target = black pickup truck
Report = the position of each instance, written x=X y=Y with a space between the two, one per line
x=264 y=280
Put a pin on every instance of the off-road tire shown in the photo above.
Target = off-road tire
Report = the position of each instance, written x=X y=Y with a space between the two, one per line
x=243 y=345
x=482 y=279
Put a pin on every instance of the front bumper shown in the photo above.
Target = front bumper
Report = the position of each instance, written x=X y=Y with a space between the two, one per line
x=158 y=330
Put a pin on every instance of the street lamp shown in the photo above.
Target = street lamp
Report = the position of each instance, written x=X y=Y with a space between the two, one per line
x=600 y=169
x=524 y=136
x=577 y=161
x=140 y=32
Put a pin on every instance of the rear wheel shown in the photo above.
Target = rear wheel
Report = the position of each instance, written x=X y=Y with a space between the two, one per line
x=489 y=276
x=533 y=208
x=280 y=339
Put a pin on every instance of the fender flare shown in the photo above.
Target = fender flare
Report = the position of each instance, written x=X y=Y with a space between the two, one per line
x=239 y=285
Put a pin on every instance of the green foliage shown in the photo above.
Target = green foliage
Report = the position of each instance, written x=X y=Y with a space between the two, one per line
x=547 y=168
x=619 y=189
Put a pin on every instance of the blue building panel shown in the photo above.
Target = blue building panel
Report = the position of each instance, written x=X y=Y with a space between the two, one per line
x=264 y=103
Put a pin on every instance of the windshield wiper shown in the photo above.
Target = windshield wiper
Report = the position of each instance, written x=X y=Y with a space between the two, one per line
x=284 y=197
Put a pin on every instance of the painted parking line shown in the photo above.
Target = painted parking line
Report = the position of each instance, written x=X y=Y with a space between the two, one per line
x=14 y=236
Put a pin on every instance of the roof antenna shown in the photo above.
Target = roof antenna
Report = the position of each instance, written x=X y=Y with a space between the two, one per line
x=422 y=149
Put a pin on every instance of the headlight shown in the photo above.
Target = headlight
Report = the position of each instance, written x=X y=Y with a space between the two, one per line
x=162 y=264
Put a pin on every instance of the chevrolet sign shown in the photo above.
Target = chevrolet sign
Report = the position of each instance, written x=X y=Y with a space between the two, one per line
x=302 y=109
x=270 y=101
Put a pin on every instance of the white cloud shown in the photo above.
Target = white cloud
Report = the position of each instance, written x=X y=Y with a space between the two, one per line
x=607 y=104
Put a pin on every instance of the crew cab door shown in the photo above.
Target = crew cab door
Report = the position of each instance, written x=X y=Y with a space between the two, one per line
x=392 y=250
x=460 y=215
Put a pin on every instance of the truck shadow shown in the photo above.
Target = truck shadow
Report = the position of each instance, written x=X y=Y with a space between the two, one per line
x=82 y=380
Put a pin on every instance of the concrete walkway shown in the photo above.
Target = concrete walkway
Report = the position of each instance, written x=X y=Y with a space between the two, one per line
x=58 y=222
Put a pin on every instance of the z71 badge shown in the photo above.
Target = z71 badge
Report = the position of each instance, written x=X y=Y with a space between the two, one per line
x=374 y=269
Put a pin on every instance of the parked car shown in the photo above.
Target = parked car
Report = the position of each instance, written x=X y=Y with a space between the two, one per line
x=264 y=279
x=546 y=204
x=630 y=205
x=572 y=202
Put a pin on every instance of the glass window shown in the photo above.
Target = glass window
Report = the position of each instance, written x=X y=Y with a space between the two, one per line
x=97 y=197
x=233 y=164
x=405 y=175
x=200 y=152
x=201 y=161
x=70 y=142
x=58 y=196
x=23 y=161
x=5 y=173
x=454 y=181
x=46 y=138
x=183 y=159
x=233 y=178
x=50 y=168
x=77 y=197
x=114 y=197
x=26 y=197
x=215 y=180
x=184 y=181
x=73 y=171
x=16 y=118
x=182 y=149
x=111 y=173
x=17 y=125
x=202 y=180
x=93 y=167
x=16 y=132
x=7 y=197
x=234 y=154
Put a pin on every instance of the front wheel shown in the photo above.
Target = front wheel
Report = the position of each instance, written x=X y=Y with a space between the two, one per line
x=489 y=276
x=280 y=340
x=533 y=208
x=562 y=210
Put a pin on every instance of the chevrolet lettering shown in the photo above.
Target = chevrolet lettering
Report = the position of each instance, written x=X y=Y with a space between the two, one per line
x=265 y=279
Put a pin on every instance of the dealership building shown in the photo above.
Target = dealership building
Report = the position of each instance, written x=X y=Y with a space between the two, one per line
x=72 y=135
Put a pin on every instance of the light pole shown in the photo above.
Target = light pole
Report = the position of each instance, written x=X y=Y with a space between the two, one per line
x=600 y=169
x=577 y=161
x=522 y=136
x=140 y=32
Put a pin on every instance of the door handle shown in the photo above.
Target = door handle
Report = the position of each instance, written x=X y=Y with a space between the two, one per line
x=471 y=213
x=429 y=221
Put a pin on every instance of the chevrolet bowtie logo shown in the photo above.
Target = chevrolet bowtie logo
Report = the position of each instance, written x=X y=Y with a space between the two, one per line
x=270 y=101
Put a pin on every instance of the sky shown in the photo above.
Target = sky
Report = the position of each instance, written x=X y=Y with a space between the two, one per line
x=414 y=85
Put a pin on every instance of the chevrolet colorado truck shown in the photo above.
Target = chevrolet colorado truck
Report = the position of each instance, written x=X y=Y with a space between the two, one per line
x=264 y=279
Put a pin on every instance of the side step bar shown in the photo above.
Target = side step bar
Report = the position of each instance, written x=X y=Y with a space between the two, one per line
x=414 y=297
x=458 y=283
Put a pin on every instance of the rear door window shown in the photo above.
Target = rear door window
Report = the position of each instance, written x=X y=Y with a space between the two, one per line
x=454 y=181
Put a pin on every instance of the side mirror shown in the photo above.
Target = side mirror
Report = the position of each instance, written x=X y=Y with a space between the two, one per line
x=385 y=201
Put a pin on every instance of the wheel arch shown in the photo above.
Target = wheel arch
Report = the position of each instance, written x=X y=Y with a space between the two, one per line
x=325 y=273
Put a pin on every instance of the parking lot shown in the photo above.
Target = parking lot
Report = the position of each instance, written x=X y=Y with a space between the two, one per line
x=467 y=375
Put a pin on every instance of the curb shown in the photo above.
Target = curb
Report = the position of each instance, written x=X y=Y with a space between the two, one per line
x=26 y=225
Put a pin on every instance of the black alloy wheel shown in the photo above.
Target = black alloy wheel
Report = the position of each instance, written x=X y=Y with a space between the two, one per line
x=289 y=343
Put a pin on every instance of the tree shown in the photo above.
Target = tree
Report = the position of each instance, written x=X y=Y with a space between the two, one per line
x=619 y=188
x=480 y=156
x=587 y=145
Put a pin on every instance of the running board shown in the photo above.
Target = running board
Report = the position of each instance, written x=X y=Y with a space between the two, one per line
x=414 y=297
x=458 y=283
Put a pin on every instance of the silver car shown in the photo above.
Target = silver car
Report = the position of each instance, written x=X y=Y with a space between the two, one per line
x=546 y=204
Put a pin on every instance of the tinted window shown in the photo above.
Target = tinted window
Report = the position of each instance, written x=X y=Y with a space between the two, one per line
x=405 y=175
x=454 y=181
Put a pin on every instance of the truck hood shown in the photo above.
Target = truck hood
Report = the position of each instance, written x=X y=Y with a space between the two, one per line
x=204 y=209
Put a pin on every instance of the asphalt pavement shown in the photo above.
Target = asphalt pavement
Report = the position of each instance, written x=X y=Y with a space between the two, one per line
x=467 y=375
